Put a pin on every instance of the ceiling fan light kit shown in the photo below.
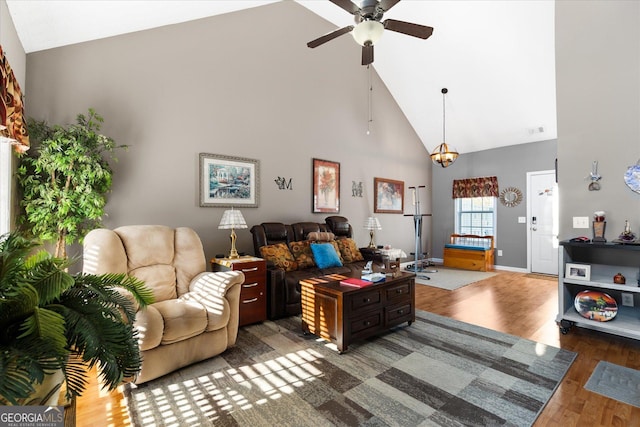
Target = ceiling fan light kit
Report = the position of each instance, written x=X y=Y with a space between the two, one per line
x=367 y=32
x=369 y=27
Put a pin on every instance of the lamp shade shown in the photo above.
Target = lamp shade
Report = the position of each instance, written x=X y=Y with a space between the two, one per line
x=367 y=31
x=372 y=223
x=232 y=219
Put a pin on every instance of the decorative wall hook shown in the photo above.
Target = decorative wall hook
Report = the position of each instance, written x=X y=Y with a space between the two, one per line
x=594 y=185
x=282 y=183
x=356 y=189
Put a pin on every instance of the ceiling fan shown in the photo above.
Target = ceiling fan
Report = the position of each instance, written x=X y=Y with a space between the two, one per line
x=368 y=28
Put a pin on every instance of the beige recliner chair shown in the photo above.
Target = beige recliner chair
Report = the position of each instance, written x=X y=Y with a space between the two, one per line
x=195 y=313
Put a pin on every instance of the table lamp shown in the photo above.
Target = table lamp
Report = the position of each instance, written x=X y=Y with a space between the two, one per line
x=371 y=224
x=232 y=219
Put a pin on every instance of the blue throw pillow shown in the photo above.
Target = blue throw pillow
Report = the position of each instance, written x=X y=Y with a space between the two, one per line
x=325 y=256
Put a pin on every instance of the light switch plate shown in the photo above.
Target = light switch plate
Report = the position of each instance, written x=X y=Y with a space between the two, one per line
x=522 y=220
x=580 y=222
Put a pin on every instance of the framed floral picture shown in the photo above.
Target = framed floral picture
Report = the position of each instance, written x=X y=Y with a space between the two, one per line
x=388 y=196
x=326 y=186
x=228 y=181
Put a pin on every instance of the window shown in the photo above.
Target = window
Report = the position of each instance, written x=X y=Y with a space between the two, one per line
x=476 y=215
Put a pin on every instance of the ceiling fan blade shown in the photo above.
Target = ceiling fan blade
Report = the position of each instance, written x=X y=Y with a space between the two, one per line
x=408 y=28
x=388 y=4
x=329 y=36
x=367 y=54
x=347 y=5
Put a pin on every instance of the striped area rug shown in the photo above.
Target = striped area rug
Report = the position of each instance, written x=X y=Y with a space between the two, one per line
x=437 y=371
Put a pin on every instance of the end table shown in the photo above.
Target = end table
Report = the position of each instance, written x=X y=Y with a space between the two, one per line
x=253 y=296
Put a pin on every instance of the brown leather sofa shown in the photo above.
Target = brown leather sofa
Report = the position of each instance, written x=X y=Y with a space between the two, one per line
x=283 y=287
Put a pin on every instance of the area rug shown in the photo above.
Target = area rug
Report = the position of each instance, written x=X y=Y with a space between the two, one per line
x=615 y=382
x=451 y=279
x=438 y=371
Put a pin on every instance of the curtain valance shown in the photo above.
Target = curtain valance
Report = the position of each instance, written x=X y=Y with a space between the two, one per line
x=475 y=187
x=11 y=109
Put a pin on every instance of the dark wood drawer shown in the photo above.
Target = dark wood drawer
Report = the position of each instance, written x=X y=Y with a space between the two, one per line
x=399 y=313
x=252 y=270
x=253 y=308
x=398 y=293
x=362 y=325
x=251 y=287
x=365 y=300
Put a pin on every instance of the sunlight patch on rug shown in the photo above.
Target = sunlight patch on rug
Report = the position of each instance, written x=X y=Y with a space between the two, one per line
x=435 y=371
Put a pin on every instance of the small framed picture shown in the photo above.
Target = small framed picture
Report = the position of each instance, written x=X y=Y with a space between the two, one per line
x=227 y=181
x=578 y=271
x=388 y=196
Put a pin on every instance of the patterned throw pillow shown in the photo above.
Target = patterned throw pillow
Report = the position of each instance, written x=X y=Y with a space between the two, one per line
x=325 y=255
x=280 y=256
x=321 y=236
x=337 y=248
x=349 y=250
x=302 y=253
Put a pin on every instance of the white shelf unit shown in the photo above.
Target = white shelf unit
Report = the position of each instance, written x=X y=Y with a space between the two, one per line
x=606 y=260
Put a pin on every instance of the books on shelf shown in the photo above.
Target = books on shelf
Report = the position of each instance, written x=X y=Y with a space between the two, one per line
x=353 y=281
x=374 y=277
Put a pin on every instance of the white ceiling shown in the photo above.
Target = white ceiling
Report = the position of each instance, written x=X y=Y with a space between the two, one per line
x=497 y=58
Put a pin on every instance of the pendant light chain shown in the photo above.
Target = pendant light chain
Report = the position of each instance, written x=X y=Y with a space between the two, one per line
x=369 y=101
x=444 y=139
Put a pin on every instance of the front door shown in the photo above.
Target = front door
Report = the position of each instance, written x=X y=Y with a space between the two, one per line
x=542 y=209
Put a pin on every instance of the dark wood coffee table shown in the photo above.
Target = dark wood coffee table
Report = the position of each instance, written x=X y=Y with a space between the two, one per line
x=342 y=314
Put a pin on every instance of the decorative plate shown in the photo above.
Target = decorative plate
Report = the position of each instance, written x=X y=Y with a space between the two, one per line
x=510 y=197
x=632 y=177
x=595 y=305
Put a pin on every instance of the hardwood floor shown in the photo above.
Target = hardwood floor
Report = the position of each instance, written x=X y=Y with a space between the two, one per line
x=508 y=302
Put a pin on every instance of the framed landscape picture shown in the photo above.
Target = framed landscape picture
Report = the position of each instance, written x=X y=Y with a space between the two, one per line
x=326 y=186
x=388 y=196
x=228 y=181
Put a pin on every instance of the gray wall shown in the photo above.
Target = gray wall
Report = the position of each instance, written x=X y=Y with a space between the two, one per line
x=510 y=165
x=598 y=96
x=11 y=45
x=242 y=84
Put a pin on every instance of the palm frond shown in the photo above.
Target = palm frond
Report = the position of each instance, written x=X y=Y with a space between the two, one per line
x=51 y=320
x=17 y=381
x=46 y=325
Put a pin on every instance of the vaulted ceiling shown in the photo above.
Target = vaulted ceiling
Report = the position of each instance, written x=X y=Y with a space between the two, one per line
x=496 y=58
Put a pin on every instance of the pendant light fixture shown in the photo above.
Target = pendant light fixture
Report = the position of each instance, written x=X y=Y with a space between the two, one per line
x=444 y=155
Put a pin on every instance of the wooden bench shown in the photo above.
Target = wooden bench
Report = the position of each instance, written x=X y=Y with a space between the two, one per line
x=469 y=252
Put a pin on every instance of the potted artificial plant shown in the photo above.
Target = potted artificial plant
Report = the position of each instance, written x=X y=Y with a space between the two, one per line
x=65 y=179
x=53 y=321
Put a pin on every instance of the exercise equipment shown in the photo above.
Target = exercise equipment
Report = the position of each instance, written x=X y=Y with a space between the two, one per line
x=419 y=265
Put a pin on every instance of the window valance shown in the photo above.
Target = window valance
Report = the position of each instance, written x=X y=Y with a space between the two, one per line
x=475 y=187
x=11 y=109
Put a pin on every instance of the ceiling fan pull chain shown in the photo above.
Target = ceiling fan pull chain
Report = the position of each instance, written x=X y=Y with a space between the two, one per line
x=370 y=101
